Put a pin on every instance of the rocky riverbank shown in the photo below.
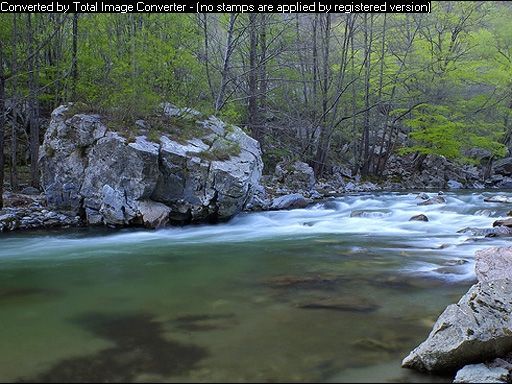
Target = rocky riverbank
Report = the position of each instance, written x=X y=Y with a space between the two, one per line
x=474 y=337
x=180 y=167
x=25 y=211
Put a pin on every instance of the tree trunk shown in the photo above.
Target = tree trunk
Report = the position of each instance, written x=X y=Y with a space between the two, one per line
x=263 y=63
x=204 y=25
x=322 y=149
x=33 y=107
x=2 y=122
x=219 y=102
x=253 y=78
x=74 y=60
x=366 y=133
x=14 y=126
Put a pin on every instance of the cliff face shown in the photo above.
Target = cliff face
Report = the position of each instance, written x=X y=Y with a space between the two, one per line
x=109 y=178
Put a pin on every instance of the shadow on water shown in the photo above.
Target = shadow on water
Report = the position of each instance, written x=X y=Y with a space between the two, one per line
x=139 y=348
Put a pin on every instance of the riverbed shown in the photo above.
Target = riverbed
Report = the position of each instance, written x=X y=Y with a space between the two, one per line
x=304 y=295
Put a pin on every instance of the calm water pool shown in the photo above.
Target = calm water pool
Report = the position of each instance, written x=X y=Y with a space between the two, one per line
x=303 y=295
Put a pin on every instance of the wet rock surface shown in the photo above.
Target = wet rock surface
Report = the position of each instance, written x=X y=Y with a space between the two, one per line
x=420 y=217
x=292 y=201
x=433 y=200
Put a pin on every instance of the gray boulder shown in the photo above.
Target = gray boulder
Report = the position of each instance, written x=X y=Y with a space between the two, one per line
x=118 y=180
x=454 y=184
x=153 y=214
x=478 y=328
x=295 y=176
x=503 y=166
x=482 y=373
x=493 y=263
x=291 y=201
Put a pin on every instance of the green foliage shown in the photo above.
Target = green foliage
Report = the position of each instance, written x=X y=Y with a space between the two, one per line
x=455 y=64
x=438 y=130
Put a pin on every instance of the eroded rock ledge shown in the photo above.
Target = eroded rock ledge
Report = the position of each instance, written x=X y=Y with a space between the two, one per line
x=109 y=178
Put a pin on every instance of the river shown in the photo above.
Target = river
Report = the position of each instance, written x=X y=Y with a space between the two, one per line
x=303 y=295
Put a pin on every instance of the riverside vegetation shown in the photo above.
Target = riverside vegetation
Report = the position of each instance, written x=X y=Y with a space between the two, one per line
x=300 y=137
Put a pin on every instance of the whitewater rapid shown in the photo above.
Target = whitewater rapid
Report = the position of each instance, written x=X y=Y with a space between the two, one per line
x=432 y=248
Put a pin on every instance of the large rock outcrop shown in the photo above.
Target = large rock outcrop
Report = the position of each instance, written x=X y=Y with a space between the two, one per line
x=115 y=178
x=475 y=333
x=476 y=329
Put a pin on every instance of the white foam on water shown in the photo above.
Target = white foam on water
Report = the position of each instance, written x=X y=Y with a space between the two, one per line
x=386 y=219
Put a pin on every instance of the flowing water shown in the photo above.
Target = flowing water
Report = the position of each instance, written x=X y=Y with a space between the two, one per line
x=304 y=295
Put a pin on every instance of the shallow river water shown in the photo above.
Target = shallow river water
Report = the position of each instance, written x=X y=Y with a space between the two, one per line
x=304 y=295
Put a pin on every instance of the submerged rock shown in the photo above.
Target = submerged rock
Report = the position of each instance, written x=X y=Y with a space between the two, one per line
x=370 y=213
x=347 y=304
x=302 y=281
x=485 y=212
x=112 y=179
x=477 y=328
x=138 y=345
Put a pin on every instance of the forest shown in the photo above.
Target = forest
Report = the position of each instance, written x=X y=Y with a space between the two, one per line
x=326 y=88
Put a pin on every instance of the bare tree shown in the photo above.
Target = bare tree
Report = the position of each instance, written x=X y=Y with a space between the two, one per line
x=33 y=107
x=228 y=52
x=14 y=125
x=74 y=58
x=2 y=124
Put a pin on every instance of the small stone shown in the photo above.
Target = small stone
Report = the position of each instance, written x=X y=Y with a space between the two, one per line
x=30 y=191
x=433 y=200
x=423 y=196
x=420 y=217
